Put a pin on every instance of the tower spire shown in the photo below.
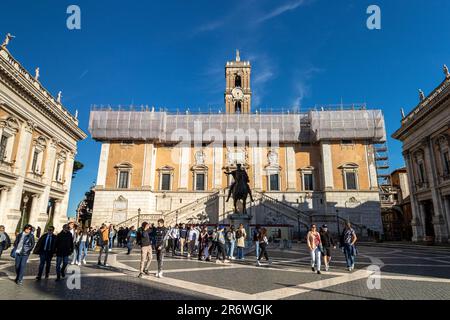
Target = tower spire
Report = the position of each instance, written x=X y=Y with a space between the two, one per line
x=238 y=56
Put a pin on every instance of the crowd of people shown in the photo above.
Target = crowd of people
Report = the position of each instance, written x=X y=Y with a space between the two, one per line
x=220 y=243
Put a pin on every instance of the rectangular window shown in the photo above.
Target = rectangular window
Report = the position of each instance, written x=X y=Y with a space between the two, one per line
x=446 y=159
x=3 y=146
x=308 y=182
x=421 y=173
x=165 y=181
x=274 y=183
x=35 y=160
x=123 y=179
x=200 y=182
x=350 y=178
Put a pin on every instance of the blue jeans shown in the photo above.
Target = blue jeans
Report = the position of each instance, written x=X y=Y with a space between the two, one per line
x=230 y=251
x=257 y=249
x=61 y=270
x=82 y=251
x=315 y=258
x=45 y=260
x=111 y=240
x=240 y=252
x=349 y=252
x=21 y=263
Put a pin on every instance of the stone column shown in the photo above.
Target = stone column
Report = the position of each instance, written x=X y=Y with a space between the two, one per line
x=61 y=217
x=57 y=220
x=146 y=176
x=441 y=231
x=257 y=168
x=327 y=165
x=153 y=167
x=103 y=165
x=34 y=210
x=417 y=223
x=291 y=174
x=185 y=157
x=217 y=167
x=3 y=199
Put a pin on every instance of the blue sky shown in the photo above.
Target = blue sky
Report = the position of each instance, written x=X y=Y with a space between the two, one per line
x=172 y=54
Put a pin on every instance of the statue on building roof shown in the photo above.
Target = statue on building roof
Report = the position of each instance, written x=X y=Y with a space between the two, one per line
x=8 y=38
x=238 y=56
x=421 y=95
x=36 y=75
x=446 y=72
x=403 y=113
x=58 y=98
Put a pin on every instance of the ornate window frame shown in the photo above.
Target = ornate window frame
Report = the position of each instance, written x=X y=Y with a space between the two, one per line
x=123 y=167
x=199 y=169
x=307 y=170
x=273 y=168
x=9 y=128
x=350 y=168
x=61 y=158
x=442 y=141
x=166 y=170
x=39 y=147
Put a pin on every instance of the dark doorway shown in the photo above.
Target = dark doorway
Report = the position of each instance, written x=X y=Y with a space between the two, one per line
x=429 y=214
x=50 y=214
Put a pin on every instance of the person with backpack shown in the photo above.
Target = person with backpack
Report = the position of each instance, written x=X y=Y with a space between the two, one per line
x=203 y=253
x=213 y=246
x=131 y=239
x=231 y=242
x=314 y=244
x=241 y=235
x=348 y=240
x=5 y=240
x=64 y=248
x=103 y=242
x=23 y=246
x=327 y=243
x=161 y=237
x=263 y=243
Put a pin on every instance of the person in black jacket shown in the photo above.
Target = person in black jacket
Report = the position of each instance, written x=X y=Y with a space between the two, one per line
x=161 y=236
x=5 y=241
x=45 y=248
x=64 y=248
x=22 y=249
x=143 y=239
x=327 y=243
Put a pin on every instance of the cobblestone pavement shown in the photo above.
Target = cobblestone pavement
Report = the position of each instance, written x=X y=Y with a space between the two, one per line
x=407 y=272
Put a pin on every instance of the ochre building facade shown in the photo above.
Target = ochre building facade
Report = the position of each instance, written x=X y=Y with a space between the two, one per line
x=317 y=166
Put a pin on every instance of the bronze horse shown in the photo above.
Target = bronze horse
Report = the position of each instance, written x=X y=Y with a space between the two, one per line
x=240 y=188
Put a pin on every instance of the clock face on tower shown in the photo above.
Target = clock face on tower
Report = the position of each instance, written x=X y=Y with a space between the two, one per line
x=237 y=94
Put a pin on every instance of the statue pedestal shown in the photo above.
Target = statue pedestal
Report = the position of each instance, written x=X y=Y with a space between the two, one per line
x=236 y=219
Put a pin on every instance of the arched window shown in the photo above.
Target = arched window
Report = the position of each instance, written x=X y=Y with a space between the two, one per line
x=8 y=130
x=238 y=81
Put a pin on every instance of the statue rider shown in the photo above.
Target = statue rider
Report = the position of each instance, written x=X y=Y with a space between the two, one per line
x=239 y=173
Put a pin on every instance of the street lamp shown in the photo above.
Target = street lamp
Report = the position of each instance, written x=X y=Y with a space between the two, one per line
x=25 y=201
x=139 y=217
x=337 y=221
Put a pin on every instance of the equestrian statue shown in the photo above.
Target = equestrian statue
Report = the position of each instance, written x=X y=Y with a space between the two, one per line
x=240 y=188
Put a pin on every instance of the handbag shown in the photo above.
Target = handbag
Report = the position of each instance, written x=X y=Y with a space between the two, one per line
x=13 y=253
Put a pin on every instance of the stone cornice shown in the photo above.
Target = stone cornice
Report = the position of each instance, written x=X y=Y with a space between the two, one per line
x=23 y=84
x=429 y=104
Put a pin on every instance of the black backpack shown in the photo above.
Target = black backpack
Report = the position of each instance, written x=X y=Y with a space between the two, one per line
x=238 y=234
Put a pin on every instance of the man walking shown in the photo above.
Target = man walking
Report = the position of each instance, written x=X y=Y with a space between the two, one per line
x=327 y=243
x=22 y=248
x=183 y=236
x=45 y=248
x=144 y=241
x=64 y=248
x=103 y=239
x=161 y=237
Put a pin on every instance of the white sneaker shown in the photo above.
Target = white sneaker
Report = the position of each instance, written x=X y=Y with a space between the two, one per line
x=326 y=268
x=226 y=261
x=84 y=261
x=232 y=258
x=79 y=264
x=72 y=263
x=109 y=250
x=218 y=261
x=160 y=275
x=258 y=263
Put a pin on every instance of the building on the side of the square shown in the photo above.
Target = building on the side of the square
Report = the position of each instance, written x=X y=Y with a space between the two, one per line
x=425 y=134
x=396 y=209
x=317 y=166
x=38 y=143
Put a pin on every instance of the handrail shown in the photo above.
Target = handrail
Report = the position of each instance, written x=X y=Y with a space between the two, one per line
x=191 y=204
x=297 y=211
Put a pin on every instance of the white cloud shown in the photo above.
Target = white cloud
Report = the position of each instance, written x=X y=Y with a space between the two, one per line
x=292 y=5
x=302 y=88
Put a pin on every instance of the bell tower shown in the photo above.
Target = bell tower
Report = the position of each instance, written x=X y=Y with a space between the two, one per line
x=238 y=94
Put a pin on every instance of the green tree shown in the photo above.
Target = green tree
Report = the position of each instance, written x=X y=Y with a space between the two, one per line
x=77 y=166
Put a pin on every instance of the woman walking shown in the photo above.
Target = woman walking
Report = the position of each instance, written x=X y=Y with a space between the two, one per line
x=314 y=245
x=22 y=249
x=240 y=241
x=231 y=240
x=82 y=244
x=131 y=238
x=203 y=253
x=263 y=242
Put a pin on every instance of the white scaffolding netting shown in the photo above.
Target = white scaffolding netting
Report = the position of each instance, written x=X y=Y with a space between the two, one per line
x=300 y=127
